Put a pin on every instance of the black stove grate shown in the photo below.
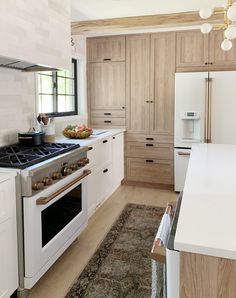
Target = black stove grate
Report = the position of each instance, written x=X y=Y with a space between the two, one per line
x=20 y=157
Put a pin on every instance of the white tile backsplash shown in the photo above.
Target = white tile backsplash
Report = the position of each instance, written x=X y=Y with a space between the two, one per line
x=17 y=104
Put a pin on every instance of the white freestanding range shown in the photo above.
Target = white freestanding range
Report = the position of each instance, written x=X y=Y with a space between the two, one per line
x=205 y=109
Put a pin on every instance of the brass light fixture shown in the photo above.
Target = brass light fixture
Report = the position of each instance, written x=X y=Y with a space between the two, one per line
x=229 y=25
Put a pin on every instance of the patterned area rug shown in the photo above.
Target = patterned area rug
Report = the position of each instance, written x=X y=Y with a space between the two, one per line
x=121 y=267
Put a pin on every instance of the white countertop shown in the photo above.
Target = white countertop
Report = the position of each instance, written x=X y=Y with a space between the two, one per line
x=97 y=135
x=207 y=219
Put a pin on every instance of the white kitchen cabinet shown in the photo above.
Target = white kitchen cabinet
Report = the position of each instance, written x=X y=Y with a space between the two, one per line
x=117 y=159
x=8 y=238
x=107 y=165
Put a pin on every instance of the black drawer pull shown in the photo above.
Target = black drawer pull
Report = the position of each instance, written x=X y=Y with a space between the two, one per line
x=105 y=171
x=90 y=148
x=107 y=59
x=107 y=121
x=149 y=145
x=149 y=139
x=107 y=114
x=149 y=160
x=114 y=138
x=105 y=141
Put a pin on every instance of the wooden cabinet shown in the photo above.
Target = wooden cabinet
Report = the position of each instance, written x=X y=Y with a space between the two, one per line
x=106 y=49
x=150 y=171
x=106 y=82
x=162 y=83
x=200 y=52
x=138 y=83
x=150 y=70
x=150 y=90
x=107 y=86
x=191 y=50
x=8 y=238
x=219 y=59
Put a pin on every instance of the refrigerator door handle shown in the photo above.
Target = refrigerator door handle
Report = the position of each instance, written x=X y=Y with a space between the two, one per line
x=209 y=110
x=206 y=122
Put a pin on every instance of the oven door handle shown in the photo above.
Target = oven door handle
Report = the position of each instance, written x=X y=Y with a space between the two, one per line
x=45 y=200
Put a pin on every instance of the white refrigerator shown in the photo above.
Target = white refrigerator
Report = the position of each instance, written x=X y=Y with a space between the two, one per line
x=205 y=111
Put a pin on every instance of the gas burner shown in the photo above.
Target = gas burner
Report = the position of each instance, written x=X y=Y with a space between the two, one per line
x=20 y=157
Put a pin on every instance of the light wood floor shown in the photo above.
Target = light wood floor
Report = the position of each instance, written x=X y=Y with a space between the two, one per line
x=56 y=282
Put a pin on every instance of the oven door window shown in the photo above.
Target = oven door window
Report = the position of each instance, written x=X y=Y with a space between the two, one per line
x=60 y=214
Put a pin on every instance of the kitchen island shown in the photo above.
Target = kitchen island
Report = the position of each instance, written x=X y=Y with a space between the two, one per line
x=205 y=233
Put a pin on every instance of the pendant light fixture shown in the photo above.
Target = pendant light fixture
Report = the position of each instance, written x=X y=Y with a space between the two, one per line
x=229 y=25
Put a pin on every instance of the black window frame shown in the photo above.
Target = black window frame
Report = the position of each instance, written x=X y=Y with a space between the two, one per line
x=55 y=94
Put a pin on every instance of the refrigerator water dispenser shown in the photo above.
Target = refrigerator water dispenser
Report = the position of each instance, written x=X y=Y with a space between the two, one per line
x=191 y=126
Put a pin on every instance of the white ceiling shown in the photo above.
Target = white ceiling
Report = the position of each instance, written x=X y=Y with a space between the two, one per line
x=102 y=9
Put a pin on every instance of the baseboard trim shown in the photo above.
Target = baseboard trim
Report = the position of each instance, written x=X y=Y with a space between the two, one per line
x=149 y=185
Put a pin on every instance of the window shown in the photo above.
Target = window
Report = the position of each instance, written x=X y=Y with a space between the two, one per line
x=57 y=91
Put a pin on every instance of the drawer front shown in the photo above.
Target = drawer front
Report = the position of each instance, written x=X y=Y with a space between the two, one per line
x=103 y=152
x=7 y=200
x=150 y=150
x=103 y=183
x=149 y=138
x=108 y=121
x=108 y=114
x=150 y=171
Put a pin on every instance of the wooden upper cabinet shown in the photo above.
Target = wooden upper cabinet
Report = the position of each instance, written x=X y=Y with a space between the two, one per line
x=138 y=83
x=106 y=49
x=219 y=59
x=106 y=85
x=162 y=83
x=191 y=51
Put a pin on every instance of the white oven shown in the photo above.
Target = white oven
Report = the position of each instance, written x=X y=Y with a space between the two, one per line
x=53 y=219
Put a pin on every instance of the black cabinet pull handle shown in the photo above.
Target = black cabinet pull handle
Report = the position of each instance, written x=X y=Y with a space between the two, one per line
x=147 y=101
x=123 y=108
x=114 y=138
x=105 y=141
x=107 y=121
x=149 y=145
x=149 y=160
x=107 y=59
x=149 y=139
x=206 y=63
x=107 y=114
x=90 y=148
x=105 y=171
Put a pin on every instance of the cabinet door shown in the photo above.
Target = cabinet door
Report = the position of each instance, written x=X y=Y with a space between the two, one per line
x=106 y=49
x=118 y=159
x=219 y=59
x=107 y=85
x=191 y=51
x=137 y=82
x=8 y=239
x=162 y=83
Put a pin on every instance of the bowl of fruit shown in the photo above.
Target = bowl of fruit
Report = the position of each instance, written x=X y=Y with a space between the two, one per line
x=77 y=131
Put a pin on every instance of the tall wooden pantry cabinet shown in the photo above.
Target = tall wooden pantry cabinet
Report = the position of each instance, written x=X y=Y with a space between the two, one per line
x=131 y=85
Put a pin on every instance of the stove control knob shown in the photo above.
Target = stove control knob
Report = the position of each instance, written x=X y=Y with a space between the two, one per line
x=81 y=162
x=47 y=181
x=74 y=167
x=86 y=160
x=38 y=185
x=56 y=176
x=66 y=171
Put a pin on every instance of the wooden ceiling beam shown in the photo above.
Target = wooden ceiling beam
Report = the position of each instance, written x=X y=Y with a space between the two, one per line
x=143 y=22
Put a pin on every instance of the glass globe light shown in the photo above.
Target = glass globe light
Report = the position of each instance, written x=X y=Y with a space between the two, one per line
x=206 y=28
x=230 y=32
x=226 y=45
x=231 y=14
x=205 y=13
